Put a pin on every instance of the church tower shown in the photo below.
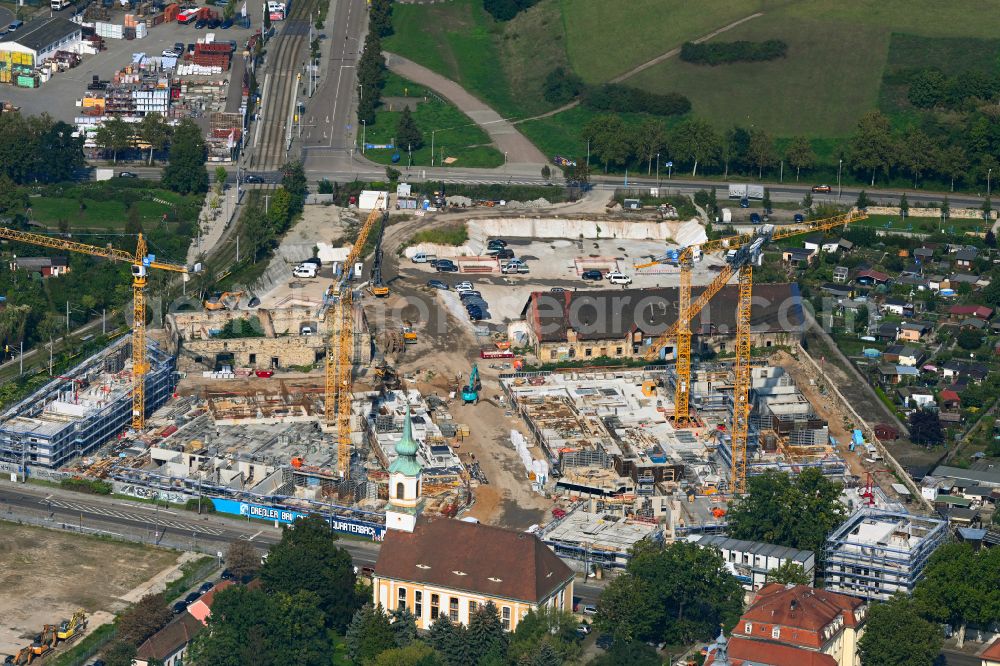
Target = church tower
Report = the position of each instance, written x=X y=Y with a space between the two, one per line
x=404 y=482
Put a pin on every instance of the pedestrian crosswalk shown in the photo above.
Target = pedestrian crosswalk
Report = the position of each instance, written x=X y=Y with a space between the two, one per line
x=160 y=520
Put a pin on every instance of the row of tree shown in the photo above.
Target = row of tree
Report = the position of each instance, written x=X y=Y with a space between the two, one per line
x=721 y=53
x=263 y=225
x=37 y=149
x=371 y=66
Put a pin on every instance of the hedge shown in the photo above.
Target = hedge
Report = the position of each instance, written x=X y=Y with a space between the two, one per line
x=721 y=53
x=623 y=99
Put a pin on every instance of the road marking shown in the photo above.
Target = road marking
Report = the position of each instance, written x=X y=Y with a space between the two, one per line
x=255 y=535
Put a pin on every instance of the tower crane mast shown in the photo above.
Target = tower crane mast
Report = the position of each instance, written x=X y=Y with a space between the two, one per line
x=141 y=261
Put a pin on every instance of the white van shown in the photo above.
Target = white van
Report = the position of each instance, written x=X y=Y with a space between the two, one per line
x=305 y=271
x=422 y=258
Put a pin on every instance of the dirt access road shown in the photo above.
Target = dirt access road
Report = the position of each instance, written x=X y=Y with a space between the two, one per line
x=48 y=575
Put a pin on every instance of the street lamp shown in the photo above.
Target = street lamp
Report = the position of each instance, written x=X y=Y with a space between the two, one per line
x=364 y=135
x=505 y=159
x=989 y=173
x=657 y=169
x=840 y=166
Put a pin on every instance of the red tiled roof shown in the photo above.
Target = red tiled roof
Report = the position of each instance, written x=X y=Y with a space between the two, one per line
x=992 y=652
x=800 y=608
x=744 y=651
x=170 y=639
x=950 y=396
x=873 y=274
x=470 y=556
x=980 y=311
x=202 y=608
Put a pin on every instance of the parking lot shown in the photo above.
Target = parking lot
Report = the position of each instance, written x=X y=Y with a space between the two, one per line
x=58 y=97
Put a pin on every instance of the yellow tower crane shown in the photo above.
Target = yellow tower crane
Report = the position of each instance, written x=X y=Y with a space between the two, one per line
x=745 y=250
x=340 y=351
x=141 y=261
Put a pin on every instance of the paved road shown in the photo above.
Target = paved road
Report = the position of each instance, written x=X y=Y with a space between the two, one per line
x=174 y=527
x=505 y=136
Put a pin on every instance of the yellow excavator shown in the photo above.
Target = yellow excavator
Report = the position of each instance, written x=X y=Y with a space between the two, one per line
x=218 y=301
x=73 y=627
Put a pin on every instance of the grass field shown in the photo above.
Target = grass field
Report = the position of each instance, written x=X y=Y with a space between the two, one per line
x=100 y=212
x=560 y=134
x=457 y=136
x=924 y=225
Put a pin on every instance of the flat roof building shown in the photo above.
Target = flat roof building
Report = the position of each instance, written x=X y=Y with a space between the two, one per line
x=40 y=39
x=876 y=553
x=752 y=561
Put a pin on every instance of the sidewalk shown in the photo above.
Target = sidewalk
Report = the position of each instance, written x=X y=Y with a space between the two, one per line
x=214 y=222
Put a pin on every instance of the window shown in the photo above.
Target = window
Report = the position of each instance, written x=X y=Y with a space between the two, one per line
x=505 y=618
x=588 y=351
x=401 y=604
x=473 y=607
x=776 y=632
x=418 y=603
x=748 y=628
x=399 y=490
x=435 y=600
x=553 y=354
x=453 y=609
x=618 y=351
x=253 y=359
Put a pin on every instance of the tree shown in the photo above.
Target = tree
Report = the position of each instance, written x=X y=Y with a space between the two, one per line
x=990 y=239
x=113 y=135
x=969 y=339
x=608 y=139
x=153 y=130
x=773 y=508
x=186 y=171
x=735 y=147
x=545 y=627
x=119 y=653
x=259 y=232
x=404 y=626
x=925 y=427
x=577 y=175
x=987 y=209
x=59 y=154
x=308 y=558
x=380 y=17
x=766 y=200
x=220 y=179
x=789 y=573
x=650 y=139
x=761 y=150
x=807 y=202
x=951 y=162
x=896 y=635
x=633 y=653
x=392 y=174
x=407 y=132
x=800 y=155
x=677 y=594
x=917 y=153
x=280 y=211
x=546 y=172
x=449 y=639
x=961 y=586
x=863 y=201
x=13 y=199
x=561 y=86
x=486 y=637
x=142 y=620
x=242 y=559
x=369 y=634
x=696 y=141
x=873 y=147
x=927 y=88
x=416 y=654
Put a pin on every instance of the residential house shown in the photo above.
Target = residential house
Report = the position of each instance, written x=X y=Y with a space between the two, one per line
x=838 y=290
x=46 y=266
x=991 y=655
x=966 y=478
x=913 y=331
x=752 y=561
x=923 y=254
x=817 y=243
x=914 y=397
x=973 y=323
x=937 y=282
x=893 y=374
x=870 y=277
x=845 y=245
x=795 y=625
x=974 y=281
x=887 y=331
x=169 y=645
x=798 y=256
x=904 y=355
x=960 y=312
x=885 y=432
x=896 y=306
x=949 y=400
x=966 y=257
x=840 y=274
x=957 y=368
x=917 y=282
x=435 y=566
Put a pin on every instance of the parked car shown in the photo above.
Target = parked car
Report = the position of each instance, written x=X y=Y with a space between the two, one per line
x=744 y=203
x=500 y=253
x=200 y=24
x=192 y=597
x=496 y=242
x=583 y=629
x=618 y=278
x=591 y=275
x=822 y=189
x=206 y=586
x=476 y=315
x=227 y=575
x=422 y=258
x=227 y=24
x=214 y=23
x=252 y=178
x=557 y=290
x=446 y=268
x=755 y=218
x=178 y=47
x=179 y=607
x=799 y=218
x=590 y=610
x=313 y=260
x=128 y=174
x=605 y=641
x=465 y=285
x=305 y=271
x=471 y=293
x=437 y=284
x=169 y=53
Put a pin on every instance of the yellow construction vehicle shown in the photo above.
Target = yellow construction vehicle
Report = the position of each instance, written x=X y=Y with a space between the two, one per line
x=141 y=262
x=219 y=301
x=409 y=335
x=376 y=286
x=44 y=642
x=73 y=627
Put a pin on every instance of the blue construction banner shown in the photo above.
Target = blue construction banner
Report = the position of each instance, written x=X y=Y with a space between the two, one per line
x=373 y=531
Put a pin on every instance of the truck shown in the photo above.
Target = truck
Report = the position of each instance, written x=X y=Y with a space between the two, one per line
x=58 y=5
x=104 y=174
x=727 y=216
x=745 y=191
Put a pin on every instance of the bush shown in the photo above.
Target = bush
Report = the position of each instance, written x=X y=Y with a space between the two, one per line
x=562 y=85
x=92 y=486
x=623 y=99
x=206 y=505
x=324 y=187
x=721 y=53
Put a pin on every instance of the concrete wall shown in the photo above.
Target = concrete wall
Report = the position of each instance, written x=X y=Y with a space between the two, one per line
x=543 y=227
x=277 y=322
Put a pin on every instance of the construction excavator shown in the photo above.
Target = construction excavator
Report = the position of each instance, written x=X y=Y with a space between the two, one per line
x=45 y=642
x=470 y=392
x=24 y=656
x=376 y=286
x=220 y=301
x=73 y=627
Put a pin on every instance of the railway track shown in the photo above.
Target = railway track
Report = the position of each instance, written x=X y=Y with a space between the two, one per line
x=287 y=53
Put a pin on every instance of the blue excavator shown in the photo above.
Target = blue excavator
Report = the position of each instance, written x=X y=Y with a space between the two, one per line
x=470 y=392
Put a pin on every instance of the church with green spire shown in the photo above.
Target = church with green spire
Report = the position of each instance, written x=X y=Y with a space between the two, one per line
x=405 y=501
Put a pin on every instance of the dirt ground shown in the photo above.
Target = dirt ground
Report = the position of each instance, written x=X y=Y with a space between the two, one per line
x=47 y=576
